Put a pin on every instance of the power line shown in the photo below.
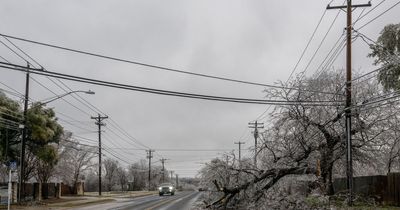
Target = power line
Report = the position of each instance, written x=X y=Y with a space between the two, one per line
x=379 y=105
x=329 y=62
x=266 y=110
x=9 y=127
x=125 y=133
x=16 y=91
x=378 y=16
x=146 y=65
x=373 y=100
x=124 y=139
x=9 y=115
x=39 y=83
x=369 y=11
x=116 y=152
x=35 y=61
x=116 y=145
x=26 y=54
x=308 y=44
x=391 y=57
x=114 y=155
x=76 y=126
x=4 y=59
x=334 y=56
x=87 y=104
x=12 y=50
x=11 y=93
x=164 y=92
x=106 y=148
x=320 y=44
x=331 y=57
x=176 y=150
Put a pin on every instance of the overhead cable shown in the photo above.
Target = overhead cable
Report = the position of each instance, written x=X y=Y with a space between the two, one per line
x=376 y=17
x=164 y=92
x=148 y=65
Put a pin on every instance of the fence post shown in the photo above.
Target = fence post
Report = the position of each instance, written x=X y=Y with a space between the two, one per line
x=58 y=190
x=14 y=192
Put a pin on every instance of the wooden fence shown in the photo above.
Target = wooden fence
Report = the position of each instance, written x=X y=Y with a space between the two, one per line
x=382 y=188
x=393 y=188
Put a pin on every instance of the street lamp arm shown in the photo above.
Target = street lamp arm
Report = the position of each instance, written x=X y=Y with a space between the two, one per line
x=65 y=94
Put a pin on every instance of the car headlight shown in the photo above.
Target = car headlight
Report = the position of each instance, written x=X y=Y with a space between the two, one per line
x=171 y=188
x=160 y=188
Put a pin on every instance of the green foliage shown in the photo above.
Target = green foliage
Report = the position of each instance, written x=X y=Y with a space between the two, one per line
x=42 y=126
x=43 y=130
x=47 y=158
x=386 y=52
x=10 y=118
x=48 y=154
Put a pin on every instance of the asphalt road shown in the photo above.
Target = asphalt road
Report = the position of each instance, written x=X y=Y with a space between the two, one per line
x=180 y=201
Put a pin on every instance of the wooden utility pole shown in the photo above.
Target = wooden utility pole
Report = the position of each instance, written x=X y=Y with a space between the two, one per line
x=149 y=156
x=240 y=149
x=21 y=187
x=99 y=123
x=163 y=168
x=349 y=158
x=177 y=182
x=256 y=125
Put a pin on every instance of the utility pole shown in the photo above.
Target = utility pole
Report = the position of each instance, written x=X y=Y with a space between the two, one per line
x=149 y=156
x=99 y=123
x=349 y=158
x=256 y=125
x=163 y=168
x=240 y=143
x=21 y=187
x=176 y=180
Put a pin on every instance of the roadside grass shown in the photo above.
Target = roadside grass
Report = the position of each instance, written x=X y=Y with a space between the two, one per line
x=340 y=203
x=127 y=194
x=86 y=203
x=90 y=198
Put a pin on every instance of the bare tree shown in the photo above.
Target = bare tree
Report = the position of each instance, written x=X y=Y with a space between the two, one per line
x=122 y=178
x=111 y=171
x=75 y=160
x=307 y=136
x=137 y=174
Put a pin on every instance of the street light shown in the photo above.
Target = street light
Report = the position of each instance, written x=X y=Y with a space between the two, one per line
x=24 y=135
x=65 y=94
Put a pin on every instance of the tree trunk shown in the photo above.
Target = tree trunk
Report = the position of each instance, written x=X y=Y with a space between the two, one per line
x=326 y=169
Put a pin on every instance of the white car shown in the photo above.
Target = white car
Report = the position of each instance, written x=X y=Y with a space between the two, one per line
x=166 y=188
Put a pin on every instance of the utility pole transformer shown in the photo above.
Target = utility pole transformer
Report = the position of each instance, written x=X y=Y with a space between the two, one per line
x=256 y=125
x=99 y=123
x=240 y=149
x=21 y=187
x=149 y=156
x=349 y=157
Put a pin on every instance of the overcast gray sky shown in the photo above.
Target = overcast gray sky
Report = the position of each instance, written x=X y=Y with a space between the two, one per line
x=258 y=41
